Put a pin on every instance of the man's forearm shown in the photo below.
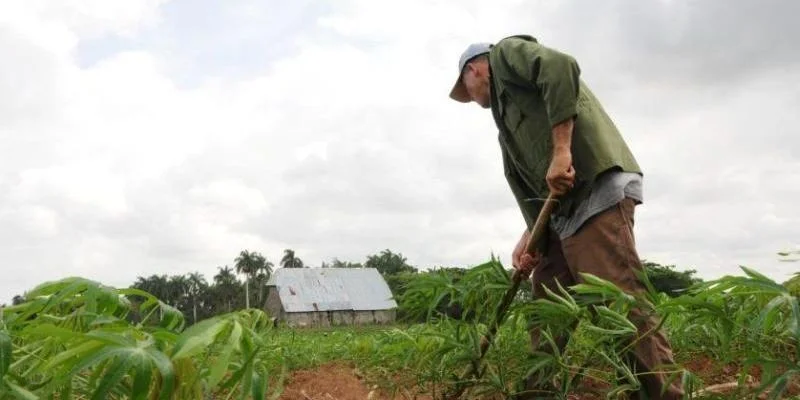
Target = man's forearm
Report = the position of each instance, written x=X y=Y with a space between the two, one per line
x=562 y=137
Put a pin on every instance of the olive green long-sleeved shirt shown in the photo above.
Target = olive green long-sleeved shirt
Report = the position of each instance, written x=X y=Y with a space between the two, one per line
x=533 y=89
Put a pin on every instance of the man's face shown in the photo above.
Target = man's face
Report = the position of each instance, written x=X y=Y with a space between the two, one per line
x=476 y=81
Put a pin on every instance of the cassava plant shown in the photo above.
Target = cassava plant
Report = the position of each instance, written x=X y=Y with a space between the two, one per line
x=75 y=338
x=748 y=318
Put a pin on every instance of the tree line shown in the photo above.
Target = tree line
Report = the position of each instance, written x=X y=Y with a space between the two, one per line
x=199 y=299
x=244 y=285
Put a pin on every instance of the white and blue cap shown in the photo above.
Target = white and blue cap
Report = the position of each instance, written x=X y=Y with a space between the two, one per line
x=459 y=92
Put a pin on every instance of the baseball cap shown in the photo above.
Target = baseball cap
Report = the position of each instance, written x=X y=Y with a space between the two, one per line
x=459 y=92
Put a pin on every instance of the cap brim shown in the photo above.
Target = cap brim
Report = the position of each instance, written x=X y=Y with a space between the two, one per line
x=459 y=92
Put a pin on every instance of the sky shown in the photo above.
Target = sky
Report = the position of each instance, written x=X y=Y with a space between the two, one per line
x=165 y=136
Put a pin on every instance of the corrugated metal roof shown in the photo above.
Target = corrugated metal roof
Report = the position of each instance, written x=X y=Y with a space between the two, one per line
x=330 y=289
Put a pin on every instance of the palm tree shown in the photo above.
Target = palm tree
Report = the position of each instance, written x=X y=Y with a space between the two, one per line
x=196 y=284
x=249 y=264
x=224 y=276
x=178 y=290
x=263 y=277
x=226 y=285
x=290 y=260
x=161 y=287
x=157 y=285
x=267 y=268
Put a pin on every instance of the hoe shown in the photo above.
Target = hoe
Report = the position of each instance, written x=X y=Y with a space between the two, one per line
x=539 y=228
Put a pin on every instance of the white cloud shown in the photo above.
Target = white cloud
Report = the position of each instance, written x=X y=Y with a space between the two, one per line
x=34 y=220
x=72 y=186
x=348 y=144
x=90 y=18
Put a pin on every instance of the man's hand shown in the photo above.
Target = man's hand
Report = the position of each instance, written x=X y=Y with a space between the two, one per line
x=519 y=250
x=561 y=174
x=521 y=259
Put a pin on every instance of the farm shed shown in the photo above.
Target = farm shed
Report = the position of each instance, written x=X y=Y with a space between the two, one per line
x=314 y=297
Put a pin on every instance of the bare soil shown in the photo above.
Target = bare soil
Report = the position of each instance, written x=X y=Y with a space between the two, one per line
x=334 y=381
x=715 y=375
x=341 y=381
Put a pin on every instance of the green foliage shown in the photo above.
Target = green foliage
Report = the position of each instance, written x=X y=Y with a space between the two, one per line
x=337 y=263
x=198 y=298
x=666 y=279
x=256 y=269
x=454 y=293
x=75 y=338
x=750 y=319
x=793 y=285
x=388 y=263
x=193 y=296
x=290 y=259
x=461 y=297
x=399 y=282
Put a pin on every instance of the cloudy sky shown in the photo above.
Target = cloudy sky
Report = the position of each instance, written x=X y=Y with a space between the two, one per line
x=157 y=136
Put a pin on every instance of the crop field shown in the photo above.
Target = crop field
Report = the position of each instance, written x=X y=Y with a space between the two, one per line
x=735 y=337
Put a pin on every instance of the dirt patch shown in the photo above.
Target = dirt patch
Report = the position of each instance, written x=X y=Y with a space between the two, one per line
x=712 y=372
x=341 y=381
x=335 y=381
x=723 y=378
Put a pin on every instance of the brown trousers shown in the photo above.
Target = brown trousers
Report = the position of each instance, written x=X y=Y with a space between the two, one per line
x=605 y=247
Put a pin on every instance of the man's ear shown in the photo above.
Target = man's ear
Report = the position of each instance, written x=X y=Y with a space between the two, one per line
x=471 y=69
x=475 y=68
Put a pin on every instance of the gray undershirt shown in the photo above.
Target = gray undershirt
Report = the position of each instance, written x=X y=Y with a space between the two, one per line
x=609 y=189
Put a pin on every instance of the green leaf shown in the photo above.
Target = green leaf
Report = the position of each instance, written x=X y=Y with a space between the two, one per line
x=778 y=388
x=74 y=354
x=194 y=341
x=171 y=318
x=142 y=380
x=136 y=292
x=167 y=371
x=240 y=372
x=220 y=366
x=540 y=363
x=606 y=331
x=104 y=320
x=247 y=381
x=72 y=287
x=5 y=353
x=165 y=336
x=794 y=324
x=566 y=301
x=113 y=375
x=259 y=385
x=755 y=274
x=615 y=319
x=620 y=390
x=102 y=354
x=764 y=320
x=20 y=392
x=111 y=338
x=52 y=331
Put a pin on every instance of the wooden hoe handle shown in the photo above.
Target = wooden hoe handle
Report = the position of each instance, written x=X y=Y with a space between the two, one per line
x=540 y=227
x=538 y=231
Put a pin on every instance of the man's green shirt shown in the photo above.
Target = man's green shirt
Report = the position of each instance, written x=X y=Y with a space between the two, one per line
x=533 y=89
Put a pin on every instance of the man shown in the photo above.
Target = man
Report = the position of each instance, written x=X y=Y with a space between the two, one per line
x=555 y=137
